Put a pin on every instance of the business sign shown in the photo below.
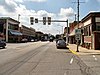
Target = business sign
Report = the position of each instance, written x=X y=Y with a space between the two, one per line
x=78 y=31
x=78 y=37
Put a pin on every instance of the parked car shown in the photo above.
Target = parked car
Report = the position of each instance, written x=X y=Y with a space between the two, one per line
x=24 y=40
x=32 y=40
x=2 y=44
x=60 y=43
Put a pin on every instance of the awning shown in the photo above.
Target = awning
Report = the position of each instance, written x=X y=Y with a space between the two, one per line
x=14 y=32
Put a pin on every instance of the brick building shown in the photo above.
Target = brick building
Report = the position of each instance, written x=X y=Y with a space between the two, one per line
x=9 y=29
x=90 y=26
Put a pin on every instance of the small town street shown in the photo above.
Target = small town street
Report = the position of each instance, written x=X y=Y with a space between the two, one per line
x=37 y=58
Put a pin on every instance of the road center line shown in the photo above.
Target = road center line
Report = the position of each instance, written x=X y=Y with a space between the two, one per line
x=71 y=61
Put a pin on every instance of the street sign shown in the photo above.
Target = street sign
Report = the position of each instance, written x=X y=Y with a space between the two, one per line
x=78 y=31
x=78 y=37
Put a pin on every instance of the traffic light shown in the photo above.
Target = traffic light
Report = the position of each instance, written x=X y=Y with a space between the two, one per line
x=36 y=20
x=31 y=20
x=44 y=20
x=49 y=20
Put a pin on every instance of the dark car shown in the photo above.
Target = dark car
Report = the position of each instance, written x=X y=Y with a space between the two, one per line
x=60 y=43
x=51 y=39
x=2 y=44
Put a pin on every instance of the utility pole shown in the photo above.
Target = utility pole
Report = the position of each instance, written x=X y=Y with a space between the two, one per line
x=67 y=32
x=77 y=22
x=75 y=17
x=7 y=30
x=78 y=3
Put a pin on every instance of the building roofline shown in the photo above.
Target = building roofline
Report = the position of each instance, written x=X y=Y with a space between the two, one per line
x=9 y=18
x=89 y=15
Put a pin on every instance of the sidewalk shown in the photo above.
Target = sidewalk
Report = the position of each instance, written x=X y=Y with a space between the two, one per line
x=90 y=59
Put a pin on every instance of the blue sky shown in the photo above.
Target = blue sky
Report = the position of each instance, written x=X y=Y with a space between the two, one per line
x=57 y=9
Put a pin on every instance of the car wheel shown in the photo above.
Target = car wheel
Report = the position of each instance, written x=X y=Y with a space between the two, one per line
x=3 y=46
x=57 y=47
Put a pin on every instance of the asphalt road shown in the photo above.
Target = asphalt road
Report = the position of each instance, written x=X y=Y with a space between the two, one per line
x=40 y=58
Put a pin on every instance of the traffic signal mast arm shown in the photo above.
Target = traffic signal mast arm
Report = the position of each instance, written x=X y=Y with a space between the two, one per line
x=58 y=21
x=48 y=19
x=53 y=21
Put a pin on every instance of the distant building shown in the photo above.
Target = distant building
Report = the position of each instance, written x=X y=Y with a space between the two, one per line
x=28 y=33
x=66 y=34
x=72 y=27
x=38 y=35
x=9 y=29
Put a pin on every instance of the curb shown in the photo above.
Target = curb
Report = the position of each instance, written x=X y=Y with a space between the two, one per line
x=72 y=51
x=83 y=67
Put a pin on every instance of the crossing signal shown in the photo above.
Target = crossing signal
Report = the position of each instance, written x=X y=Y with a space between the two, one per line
x=44 y=20
x=31 y=20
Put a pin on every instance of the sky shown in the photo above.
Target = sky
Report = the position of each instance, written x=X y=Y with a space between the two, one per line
x=56 y=9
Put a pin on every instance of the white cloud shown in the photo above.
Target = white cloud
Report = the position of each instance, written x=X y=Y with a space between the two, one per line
x=25 y=15
x=66 y=12
x=8 y=5
x=98 y=0
x=21 y=1
x=37 y=0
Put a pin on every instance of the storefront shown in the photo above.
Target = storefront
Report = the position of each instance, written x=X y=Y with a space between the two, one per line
x=9 y=29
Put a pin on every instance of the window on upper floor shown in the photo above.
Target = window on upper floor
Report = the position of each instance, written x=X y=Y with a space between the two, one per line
x=98 y=27
x=89 y=31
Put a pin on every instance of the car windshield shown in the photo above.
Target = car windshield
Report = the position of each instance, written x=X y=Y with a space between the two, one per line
x=50 y=37
x=61 y=41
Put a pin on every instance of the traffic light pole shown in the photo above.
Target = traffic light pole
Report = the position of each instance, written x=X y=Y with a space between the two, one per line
x=67 y=31
x=49 y=22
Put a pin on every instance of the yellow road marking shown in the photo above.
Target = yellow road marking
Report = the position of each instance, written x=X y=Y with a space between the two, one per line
x=74 y=52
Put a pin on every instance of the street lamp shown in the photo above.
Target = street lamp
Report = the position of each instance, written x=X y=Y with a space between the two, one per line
x=19 y=17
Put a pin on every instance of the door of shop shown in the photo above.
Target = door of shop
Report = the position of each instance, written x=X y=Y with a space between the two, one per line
x=97 y=40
